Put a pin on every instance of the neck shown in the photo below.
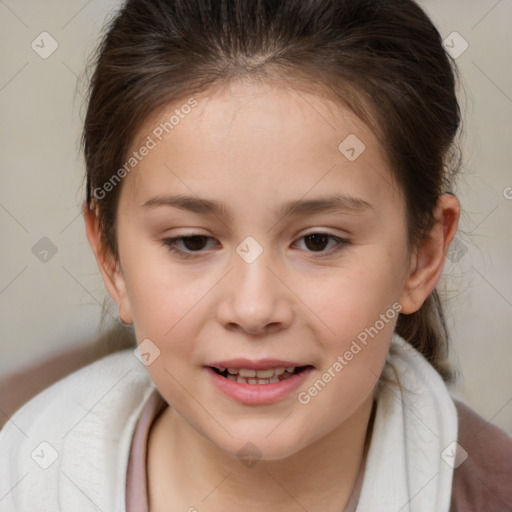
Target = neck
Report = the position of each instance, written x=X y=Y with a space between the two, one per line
x=319 y=477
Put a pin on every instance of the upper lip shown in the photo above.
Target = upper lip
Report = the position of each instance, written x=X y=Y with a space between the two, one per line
x=262 y=364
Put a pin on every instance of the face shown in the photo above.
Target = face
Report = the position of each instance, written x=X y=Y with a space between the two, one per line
x=250 y=239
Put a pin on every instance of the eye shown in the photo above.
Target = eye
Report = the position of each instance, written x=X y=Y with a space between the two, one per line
x=192 y=243
x=191 y=246
x=317 y=242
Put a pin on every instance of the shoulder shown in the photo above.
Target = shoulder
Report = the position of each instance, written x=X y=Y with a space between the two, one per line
x=71 y=442
x=483 y=480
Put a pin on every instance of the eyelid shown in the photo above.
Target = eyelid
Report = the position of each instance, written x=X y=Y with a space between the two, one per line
x=171 y=244
x=341 y=243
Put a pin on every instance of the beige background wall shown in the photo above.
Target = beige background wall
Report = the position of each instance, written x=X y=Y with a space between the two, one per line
x=45 y=306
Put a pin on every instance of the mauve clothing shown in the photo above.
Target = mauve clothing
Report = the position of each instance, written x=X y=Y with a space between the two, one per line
x=482 y=483
x=136 y=484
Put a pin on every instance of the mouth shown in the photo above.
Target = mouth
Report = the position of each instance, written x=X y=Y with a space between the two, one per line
x=259 y=377
x=258 y=382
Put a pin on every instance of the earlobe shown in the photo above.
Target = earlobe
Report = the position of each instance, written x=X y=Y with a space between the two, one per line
x=110 y=268
x=427 y=261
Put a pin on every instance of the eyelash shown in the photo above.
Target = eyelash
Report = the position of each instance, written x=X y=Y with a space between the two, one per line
x=171 y=245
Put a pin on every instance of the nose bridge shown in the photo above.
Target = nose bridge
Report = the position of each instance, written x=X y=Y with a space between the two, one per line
x=254 y=277
x=253 y=298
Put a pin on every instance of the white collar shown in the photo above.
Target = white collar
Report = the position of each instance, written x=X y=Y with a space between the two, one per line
x=89 y=418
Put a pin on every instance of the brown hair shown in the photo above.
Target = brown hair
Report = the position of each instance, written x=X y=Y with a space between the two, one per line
x=383 y=59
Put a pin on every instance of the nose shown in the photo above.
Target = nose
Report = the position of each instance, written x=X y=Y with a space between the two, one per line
x=254 y=298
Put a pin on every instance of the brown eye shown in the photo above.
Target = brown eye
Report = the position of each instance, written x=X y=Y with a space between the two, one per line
x=323 y=243
x=195 y=242
x=188 y=246
x=317 y=241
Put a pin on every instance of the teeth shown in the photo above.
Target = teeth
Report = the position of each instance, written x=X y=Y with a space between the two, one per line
x=245 y=372
x=264 y=374
x=260 y=374
x=250 y=376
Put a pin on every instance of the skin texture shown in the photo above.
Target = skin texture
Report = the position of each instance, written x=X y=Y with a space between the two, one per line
x=253 y=147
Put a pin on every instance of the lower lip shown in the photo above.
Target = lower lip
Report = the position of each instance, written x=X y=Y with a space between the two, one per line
x=256 y=394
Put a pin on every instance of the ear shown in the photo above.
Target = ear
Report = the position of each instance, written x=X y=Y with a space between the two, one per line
x=427 y=261
x=110 y=268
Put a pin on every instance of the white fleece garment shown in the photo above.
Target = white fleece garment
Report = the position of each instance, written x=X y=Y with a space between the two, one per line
x=67 y=449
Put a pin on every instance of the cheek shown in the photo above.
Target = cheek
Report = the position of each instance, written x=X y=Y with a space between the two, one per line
x=163 y=298
x=168 y=309
x=358 y=310
x=354 y=298
x=362 y=322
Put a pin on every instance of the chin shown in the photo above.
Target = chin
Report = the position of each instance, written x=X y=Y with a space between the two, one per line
x=250 y=449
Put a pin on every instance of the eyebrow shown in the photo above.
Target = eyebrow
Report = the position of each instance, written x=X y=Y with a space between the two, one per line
x=333 y=203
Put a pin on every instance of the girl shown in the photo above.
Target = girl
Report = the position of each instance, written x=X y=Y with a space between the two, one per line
x=268 y=202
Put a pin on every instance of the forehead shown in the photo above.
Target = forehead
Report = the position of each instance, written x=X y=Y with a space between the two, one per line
x=265 y=140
